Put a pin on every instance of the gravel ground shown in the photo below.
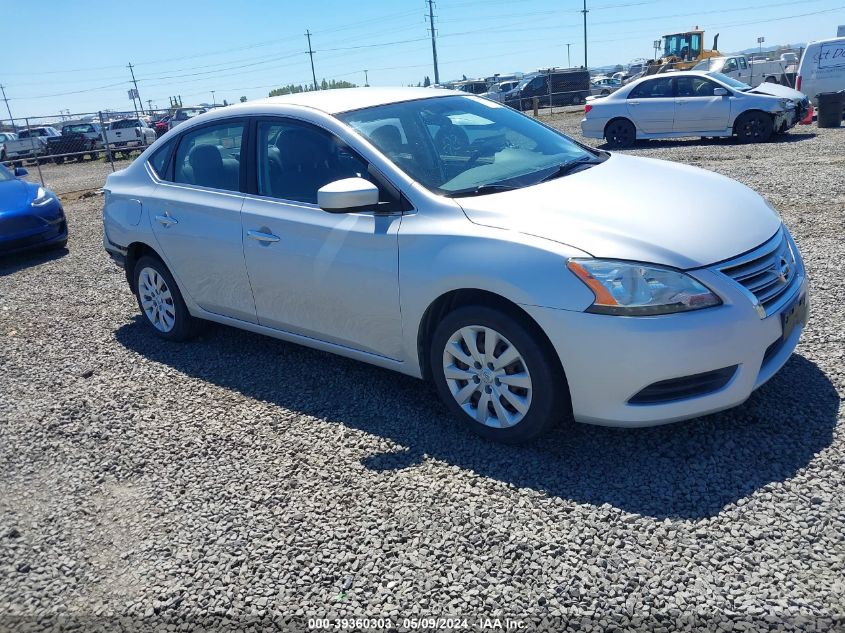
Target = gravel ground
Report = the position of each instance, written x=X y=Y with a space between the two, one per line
x=238 y=479
x=72 y=176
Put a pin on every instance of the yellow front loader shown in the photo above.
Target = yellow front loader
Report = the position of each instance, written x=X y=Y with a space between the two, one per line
x=682 y=51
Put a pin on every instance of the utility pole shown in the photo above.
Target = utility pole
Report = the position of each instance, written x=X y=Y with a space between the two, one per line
x=213 y=99
x=433 y=42
x=150 y=105
x=311 y=55
x=584 y=11
x=141 y=103
x=568 y=56
x=366 y=81
x=14 y=127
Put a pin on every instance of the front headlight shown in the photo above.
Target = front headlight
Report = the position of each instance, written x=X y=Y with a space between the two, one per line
x=632 y=289
x=42 y=197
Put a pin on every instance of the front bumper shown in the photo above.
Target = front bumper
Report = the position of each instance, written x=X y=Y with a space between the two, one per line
x=24 y=231
x=610 y=359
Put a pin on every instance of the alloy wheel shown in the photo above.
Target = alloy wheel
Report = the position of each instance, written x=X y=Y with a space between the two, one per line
x=156 y=299
x=487 y=376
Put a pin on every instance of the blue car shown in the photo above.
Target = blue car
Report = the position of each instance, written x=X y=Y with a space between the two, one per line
x=30 y=215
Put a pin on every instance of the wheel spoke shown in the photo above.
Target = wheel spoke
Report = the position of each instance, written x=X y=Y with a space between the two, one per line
x=505 y=418
x=457 y=352
x=517 y=402
x=520 y=379
x=491 y=340
x=464 y=394
x=455 y=373
x=470 y=337
x=483 y=413
x=508 y=356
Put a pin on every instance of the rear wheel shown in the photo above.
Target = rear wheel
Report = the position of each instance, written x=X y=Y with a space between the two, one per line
x=620 y=133
x=59 y=160
x=494 y=375
x=754 y=127
x=160 y=301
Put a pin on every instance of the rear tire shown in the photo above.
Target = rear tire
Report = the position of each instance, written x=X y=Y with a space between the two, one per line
x=160 y=300
x=620 y=133
x=511 y=393
x=754 y=127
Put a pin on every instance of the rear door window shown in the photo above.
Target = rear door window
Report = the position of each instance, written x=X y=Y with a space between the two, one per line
x=652 y=89
x=210 y=157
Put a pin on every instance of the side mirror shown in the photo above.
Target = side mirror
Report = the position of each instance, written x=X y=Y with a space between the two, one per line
x=720 y=92
x=20 y=172
x=347 y=196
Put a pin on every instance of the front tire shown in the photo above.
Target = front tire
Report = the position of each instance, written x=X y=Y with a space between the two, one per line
x=494 y=375
x=754 y=127
x=160 y=301
x=620 y=133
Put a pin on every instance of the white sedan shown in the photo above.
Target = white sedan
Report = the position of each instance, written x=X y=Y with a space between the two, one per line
x=335 y=219
x=693 y=104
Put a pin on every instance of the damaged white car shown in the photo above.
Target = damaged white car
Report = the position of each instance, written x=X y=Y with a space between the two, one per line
x=691 y=103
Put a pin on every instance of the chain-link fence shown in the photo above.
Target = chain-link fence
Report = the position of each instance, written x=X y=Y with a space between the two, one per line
x=75 y=152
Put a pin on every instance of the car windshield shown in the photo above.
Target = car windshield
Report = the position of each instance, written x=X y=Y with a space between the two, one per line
x=730 y=81
x=456 y=144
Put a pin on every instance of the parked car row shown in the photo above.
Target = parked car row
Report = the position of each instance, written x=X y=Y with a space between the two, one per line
x=76 y=140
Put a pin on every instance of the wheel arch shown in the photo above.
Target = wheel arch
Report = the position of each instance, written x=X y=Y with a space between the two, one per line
x=462 y=297
x=614 y=120
x=134 y=252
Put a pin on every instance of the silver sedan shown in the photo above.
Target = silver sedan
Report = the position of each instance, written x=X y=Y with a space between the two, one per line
x=335 y=220
x=692 y=103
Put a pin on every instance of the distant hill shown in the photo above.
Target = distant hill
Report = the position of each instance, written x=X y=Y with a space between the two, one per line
x=769 y=49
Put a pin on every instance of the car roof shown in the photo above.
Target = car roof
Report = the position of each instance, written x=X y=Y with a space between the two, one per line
x=341 y=99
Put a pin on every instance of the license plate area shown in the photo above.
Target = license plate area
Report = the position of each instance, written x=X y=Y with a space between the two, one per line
x=793 y=315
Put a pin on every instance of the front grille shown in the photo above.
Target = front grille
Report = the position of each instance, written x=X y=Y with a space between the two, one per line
x=684 y=387
x=767 y=272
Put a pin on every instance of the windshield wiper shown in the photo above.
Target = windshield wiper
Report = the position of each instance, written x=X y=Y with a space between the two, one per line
x=567 y=168
x=480 y=190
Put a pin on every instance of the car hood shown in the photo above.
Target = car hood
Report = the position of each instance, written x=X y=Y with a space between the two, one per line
x=16 y=195
x=776 y=90
x=636 y=209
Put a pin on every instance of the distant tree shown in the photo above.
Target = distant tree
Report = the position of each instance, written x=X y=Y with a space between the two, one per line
x=243 y=99
x=324 y=85
x=618 y=68
x=426 y=82
x=464 y=77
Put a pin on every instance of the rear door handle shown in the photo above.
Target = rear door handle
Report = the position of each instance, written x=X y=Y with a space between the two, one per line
x=165 y=220
x=261 y=236
x=633 y=103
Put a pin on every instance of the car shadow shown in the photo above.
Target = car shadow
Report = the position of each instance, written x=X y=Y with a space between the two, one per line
x=787 y=137
x=689 y=470
x=13 y=263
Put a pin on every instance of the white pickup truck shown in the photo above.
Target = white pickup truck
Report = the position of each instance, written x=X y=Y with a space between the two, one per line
x=739 y=67
x=127 y=134
x=30 y=144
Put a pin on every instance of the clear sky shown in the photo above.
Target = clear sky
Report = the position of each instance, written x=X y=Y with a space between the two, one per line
x=73 y=55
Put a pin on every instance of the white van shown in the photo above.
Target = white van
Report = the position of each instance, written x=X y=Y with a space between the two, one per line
x=822 y=68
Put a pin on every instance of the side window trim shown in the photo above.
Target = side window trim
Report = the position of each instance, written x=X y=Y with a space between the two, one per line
x=178 y=141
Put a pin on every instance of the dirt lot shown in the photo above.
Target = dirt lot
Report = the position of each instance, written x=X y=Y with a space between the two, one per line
x=239 y=479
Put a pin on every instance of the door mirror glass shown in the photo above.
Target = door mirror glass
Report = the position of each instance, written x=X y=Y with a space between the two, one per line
x=348 y=196
x=20 y=172
x=720 y=92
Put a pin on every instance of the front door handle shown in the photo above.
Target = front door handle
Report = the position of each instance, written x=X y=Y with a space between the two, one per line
x=261 y=236
x=165 y=220
x=633 y=103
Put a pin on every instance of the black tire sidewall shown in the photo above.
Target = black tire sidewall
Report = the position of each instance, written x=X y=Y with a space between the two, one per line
x=622 y=145
x=547 y=406
x=185 y=323
x=744 y=118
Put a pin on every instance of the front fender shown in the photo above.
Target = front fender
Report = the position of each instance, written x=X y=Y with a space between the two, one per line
x=438 y=255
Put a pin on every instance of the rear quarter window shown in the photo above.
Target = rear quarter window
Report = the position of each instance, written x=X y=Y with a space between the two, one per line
x=160 y=160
